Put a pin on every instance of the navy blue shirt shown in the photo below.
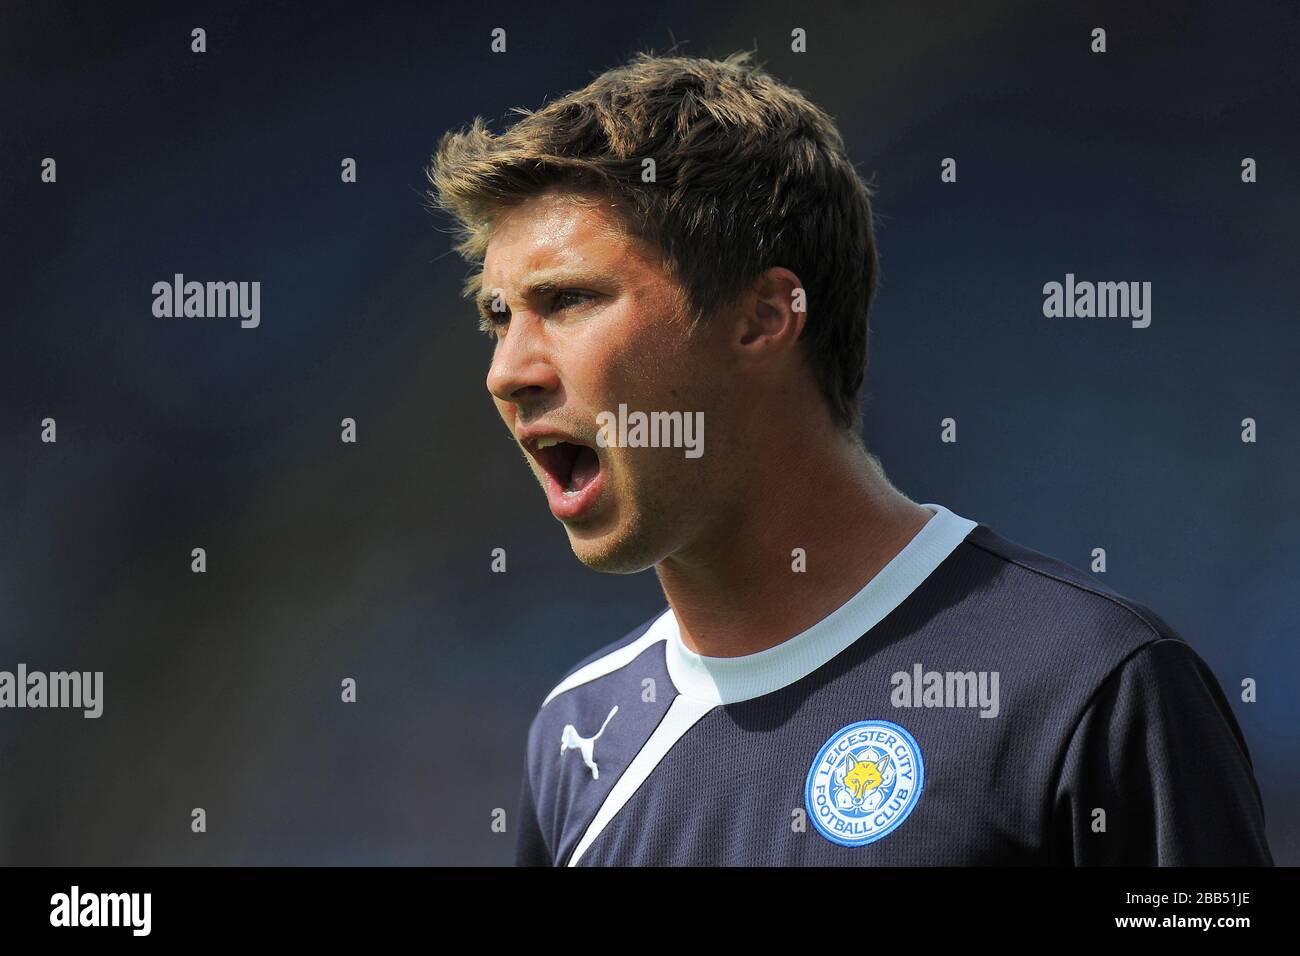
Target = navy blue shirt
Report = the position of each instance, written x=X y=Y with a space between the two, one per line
x=976 y=703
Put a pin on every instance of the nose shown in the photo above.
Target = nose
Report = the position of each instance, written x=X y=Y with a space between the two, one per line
x=522 y=370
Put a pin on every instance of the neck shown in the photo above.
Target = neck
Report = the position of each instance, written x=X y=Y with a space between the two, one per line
x=738 y=588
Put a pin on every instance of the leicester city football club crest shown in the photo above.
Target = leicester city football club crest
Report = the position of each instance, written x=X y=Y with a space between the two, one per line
x=865 y=781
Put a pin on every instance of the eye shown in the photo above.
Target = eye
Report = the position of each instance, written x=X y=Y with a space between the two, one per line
x=569 y=294
x=492 y=323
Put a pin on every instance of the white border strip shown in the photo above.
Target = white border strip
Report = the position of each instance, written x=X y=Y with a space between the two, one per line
x=682 y=715
x=611 y=662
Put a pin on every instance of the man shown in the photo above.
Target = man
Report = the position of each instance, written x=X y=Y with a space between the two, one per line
x=842 y=675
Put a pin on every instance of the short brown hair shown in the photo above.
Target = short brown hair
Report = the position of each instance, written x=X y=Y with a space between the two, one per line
x=750 y=174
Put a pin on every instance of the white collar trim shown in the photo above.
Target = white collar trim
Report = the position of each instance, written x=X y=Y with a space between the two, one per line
x=726 y=680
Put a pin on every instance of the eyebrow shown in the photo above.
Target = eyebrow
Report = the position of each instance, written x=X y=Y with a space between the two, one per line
x=544 y=285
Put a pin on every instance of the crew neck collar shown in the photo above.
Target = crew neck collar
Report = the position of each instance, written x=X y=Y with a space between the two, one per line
x=726 y=680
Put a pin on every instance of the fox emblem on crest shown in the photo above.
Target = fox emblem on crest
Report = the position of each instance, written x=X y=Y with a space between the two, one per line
x=863 y=781
x=863 y=776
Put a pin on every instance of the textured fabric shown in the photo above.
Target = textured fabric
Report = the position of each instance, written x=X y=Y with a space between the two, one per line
x=1112 y=741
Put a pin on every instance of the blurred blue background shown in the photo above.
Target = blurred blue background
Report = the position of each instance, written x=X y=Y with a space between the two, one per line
x=371 y=560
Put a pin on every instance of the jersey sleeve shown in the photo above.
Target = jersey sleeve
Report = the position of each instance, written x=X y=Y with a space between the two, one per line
x=530 y=844
x=1158 y=749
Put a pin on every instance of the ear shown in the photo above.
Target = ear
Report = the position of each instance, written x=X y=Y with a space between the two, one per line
x=771 y=318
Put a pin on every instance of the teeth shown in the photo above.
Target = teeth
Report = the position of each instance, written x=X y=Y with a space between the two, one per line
x=546 y=442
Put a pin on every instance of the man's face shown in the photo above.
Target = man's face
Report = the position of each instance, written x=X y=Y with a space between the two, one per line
x=592 y=321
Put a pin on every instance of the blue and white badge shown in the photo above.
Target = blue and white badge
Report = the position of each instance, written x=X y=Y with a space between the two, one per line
x=865 y=781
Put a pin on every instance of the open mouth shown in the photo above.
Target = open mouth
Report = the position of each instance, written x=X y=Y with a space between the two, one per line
x=572 y=466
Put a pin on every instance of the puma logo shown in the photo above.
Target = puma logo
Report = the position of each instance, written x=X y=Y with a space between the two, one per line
x=572 y=740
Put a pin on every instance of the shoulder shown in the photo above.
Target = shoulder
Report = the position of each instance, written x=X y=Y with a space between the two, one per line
x=602 y=674
x=607 y=660
x=1072 y=612
x=1056 y=633
x=1122 y=707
